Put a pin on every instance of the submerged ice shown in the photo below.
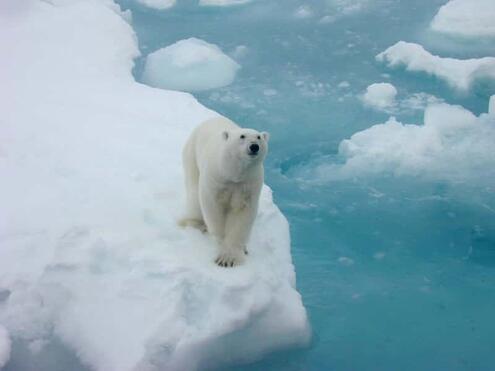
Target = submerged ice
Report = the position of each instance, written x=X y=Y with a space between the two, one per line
x=158 y=4
x=222 y=2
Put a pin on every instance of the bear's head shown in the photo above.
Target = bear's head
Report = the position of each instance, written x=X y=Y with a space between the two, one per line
x=247 y=145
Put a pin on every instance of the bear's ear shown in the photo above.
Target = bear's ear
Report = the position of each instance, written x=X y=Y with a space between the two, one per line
x=225 y=135
x=266 y=136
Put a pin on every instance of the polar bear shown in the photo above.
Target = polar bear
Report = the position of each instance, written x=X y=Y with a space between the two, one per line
x=223 y=168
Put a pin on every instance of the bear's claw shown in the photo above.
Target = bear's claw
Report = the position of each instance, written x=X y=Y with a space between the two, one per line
x=194 y=223
x=228 y=259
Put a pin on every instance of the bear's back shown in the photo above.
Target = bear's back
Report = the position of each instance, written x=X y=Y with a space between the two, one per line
x=207 y=138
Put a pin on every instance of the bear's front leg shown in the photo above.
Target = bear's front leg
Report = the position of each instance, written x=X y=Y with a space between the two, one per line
x=237 y=230
x=213 y=213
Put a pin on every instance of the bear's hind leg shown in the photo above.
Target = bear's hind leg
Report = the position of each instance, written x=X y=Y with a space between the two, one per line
x=193 y=216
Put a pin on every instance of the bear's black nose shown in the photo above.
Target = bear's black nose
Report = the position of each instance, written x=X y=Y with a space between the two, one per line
x=254 y=148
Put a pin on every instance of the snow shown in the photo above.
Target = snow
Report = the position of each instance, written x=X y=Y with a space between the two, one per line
x=458 y=73
x=467 y=18
x=452 y=144
x=189 y=65
x=380 y=95
x=92 y=185
x=5 y=346
x=222 y=2
x=491 y=105
x=157 y=4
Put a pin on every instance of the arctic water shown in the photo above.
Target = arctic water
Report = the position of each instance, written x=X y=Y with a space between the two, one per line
x=396 y=270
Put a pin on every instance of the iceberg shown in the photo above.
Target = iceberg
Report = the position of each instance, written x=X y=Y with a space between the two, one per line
x=458 y=73
x=91 y=257
x=466 y=18
x=189 y=65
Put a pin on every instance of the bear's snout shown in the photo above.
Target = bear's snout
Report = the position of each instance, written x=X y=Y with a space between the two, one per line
x=254 y=148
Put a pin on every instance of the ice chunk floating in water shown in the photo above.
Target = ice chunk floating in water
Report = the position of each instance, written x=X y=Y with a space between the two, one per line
x=459 y=73
x=189 y=65
x=92 y=261
x=451 y=144
x=380 y=96
x=468 y=18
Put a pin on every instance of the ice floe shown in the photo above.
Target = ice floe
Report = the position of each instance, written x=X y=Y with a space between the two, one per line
x=189 y=65
x=451 y=144
x=458 y=73
x=468 y=18
x=380 y=95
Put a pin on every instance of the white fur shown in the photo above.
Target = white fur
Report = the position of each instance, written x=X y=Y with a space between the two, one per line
x=223 y=184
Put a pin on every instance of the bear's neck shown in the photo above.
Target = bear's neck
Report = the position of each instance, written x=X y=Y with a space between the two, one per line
x=235 y=169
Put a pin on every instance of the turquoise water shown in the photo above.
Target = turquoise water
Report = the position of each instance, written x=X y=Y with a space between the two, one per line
x=397 y=273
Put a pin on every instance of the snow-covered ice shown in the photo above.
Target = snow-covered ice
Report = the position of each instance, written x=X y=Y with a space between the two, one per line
x=468 y=18
x=5 y=346
x=451 y=144
x=458 y=73
x=189 y=65
x=380 y=96
x=158 y=4
x=92 y=186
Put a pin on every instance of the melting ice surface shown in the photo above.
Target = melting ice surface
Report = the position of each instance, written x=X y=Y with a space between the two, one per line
x=392 y=219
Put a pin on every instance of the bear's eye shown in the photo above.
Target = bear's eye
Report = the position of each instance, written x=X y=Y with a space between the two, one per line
x=259 y=137
x=243 y=136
